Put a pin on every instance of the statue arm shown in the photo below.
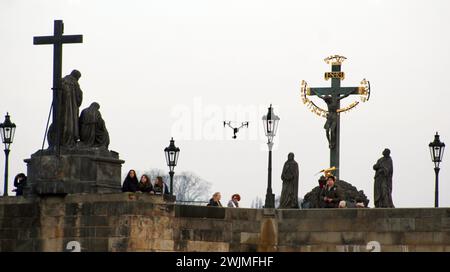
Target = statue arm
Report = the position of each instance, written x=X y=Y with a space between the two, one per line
x=322 y=96
x=344 y=96
x=377 y=165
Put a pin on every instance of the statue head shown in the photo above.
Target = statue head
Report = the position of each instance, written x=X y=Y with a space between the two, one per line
x=291 y=156
x=386 y=152
x=95 y=105
x=76 y=74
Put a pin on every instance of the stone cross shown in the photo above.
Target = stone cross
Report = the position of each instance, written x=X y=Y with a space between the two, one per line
x=58 y=39
x=333 y=96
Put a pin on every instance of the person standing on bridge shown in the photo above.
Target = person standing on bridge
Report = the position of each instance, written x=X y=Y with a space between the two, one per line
x=215 y=200
x=234 y=202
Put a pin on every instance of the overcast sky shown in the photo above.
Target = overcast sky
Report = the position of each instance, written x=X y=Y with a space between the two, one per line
x=179 y=68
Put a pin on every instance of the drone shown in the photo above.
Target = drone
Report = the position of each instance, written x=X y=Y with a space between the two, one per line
x=235 y=129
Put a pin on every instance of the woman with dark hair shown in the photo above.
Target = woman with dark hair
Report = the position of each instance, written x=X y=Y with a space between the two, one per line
x=234 y=202
x=20 y=181
x=130 y=184
x=160 y=187
x=145 y=185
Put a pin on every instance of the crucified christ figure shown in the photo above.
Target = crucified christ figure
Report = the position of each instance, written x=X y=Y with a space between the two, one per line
x=331 y=123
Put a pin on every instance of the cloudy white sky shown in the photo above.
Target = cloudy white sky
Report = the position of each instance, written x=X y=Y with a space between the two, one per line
x=179 y=68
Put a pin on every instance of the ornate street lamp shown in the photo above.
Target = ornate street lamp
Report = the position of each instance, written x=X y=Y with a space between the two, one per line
x=270 y=122
x=171 y=158
x=7 y=130
x=437 y=153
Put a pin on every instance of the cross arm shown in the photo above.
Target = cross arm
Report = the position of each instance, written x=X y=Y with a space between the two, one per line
x=44 y=40
x=61 y=39
x=346 y=91
x=321 y=91
x=72 y=39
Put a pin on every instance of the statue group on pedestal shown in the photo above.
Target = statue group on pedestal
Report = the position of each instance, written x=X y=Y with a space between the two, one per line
x=332 y=193
x=85 y=130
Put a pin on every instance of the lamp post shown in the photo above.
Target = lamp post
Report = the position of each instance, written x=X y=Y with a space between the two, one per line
x=270 y=121
x=437 y=152
x=171 y=158
x=7 y=130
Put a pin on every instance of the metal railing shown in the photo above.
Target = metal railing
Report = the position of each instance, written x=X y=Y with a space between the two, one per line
x=194 y=203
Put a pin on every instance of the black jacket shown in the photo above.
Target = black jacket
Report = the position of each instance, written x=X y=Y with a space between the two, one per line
x=213 y=203
x=158 y=190
x=145 y=187
x=334 y=193
x=20 y=185
x=130 y=185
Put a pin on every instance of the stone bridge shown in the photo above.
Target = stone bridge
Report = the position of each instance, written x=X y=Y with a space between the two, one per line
x=141 y=222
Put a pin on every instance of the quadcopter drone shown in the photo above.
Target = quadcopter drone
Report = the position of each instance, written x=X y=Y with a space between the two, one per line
x=235 y=129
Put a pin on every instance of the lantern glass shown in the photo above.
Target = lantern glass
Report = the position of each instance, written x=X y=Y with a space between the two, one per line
x=437 y=150
x=270 y=122
x=7 y=131
x=171 y=153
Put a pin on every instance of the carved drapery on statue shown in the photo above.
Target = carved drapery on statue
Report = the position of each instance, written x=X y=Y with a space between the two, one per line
x=383 y=181
x=93 y=132
x=71 y=97
x=289 y=192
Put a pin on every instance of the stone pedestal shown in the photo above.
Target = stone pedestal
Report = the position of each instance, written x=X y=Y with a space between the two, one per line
x=90 y=170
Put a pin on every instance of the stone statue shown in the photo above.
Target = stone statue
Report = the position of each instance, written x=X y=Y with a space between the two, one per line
x=289 y=192
x=383 y=181
x=93 y=131
x=71 y=97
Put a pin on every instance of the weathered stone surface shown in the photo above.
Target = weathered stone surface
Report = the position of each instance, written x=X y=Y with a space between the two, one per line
x=386 y=238
x=207 y=246
x=199 y=212
x=250 y=238
x=319 y=238
x=294 y=238
x=136 y=222
x=91 y=170
x=243 y=214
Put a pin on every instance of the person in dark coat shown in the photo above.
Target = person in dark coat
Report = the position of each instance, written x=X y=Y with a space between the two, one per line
x=160 y=187
x=330 y=195
x=130 y=184
x=20 y=181
x=215 y=200
x=145 y=185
